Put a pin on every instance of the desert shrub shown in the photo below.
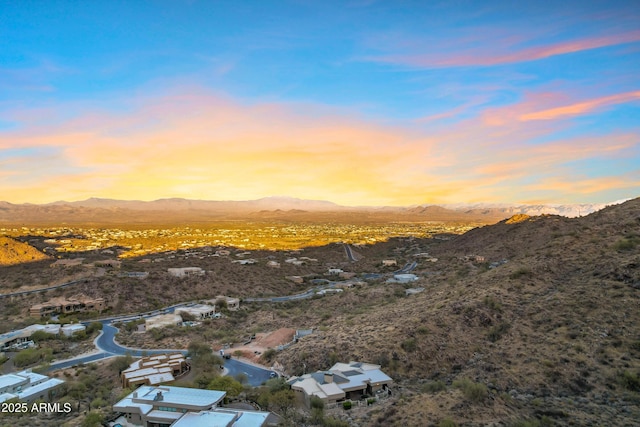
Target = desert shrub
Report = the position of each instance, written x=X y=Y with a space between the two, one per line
x=433 y=387
x=121 y=363
x=333 y=422
x=446 y=423
x=316 y=402
x=626 y=244
x=93 y=419
x=269 y=354
x=521 y=273
x=497 y=331
x=32 y=355
x=346 y=405
x=476 y=392
x=492 y=303
x=409 y=345
x=629 y=380
x=98 y=403
x=94 y=326
x=423 y=330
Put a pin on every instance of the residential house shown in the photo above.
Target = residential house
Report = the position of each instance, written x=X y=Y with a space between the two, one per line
x=343 y=381
x=182 y=407
x=198 y=311
x=154 y=370
x=186 y=271
x=62 y=305
x=162 y=320
x=27 y=386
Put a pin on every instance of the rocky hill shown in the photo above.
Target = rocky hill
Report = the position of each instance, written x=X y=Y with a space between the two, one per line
x=15 y=252
x=544 y=331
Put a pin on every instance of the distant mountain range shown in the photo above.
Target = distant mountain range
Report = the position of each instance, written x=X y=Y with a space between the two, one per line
x=96 y=210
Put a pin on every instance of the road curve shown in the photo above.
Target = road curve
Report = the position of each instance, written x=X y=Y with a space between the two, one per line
x=108 y=347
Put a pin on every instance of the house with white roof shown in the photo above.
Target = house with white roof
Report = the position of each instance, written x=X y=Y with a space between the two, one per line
x=223 y=418
x=343 y=381
x=186 y=271
x=182 y=407
x=198 y=311
x=150 y=405
x=28 y=386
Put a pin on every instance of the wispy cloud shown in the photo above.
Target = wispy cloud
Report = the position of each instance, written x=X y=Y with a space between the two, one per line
x=497 y=49
x=580 y=108
x=196 y=144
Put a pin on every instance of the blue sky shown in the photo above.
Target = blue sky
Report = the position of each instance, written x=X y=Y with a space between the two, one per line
x=362 y=102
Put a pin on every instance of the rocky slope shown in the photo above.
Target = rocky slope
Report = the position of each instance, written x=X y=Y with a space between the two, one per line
x=15 y=252
x=549 y=337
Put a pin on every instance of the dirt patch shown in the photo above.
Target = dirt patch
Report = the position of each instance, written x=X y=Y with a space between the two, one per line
x=262 y=342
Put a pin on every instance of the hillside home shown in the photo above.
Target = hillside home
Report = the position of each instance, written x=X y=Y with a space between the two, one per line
x=198 y=311
x=403 y=278
x=154 y=370
x=162 y=320
x=343 y=381
x=109 y=263
x=233 y=304
x=223 y=418
x=148 y=405
x=73 y=304
x=27 y=386
x=67 y=262
x=186 y=271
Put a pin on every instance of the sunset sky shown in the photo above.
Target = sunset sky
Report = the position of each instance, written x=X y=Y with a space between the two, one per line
x=356 y=102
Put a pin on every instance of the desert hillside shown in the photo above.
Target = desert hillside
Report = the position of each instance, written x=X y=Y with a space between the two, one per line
x=549 y=337
x=15 y=252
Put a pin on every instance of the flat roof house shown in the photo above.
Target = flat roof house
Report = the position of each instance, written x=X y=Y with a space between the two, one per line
x=28 y=386
x=73 y=304
x=183 y=407
x=343 y=381
x=186 y=271
x=150 y=405
x=154 y=370
x=223 y=418
x=198 y=311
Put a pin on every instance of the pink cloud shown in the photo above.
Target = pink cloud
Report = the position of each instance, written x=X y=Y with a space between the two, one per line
x=196 y=144
x=504 y=50
x=580 y=108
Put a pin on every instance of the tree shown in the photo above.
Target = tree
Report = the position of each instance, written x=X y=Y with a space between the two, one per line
x=282 y=401
x=93 y=419
x=227 y=384
x=94 y=326
x=199 y=349
x=121 y=363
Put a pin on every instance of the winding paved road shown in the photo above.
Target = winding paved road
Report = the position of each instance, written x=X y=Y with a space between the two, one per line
x=108 y=347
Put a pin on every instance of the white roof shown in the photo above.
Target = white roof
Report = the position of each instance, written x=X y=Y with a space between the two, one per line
x=39 y=388
x=127 y=403
x=251 y=419
x=74 y=327
x=176 y=396
x=205 y=419
x=6 y=396
x=9 y=380
x=222 y=418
